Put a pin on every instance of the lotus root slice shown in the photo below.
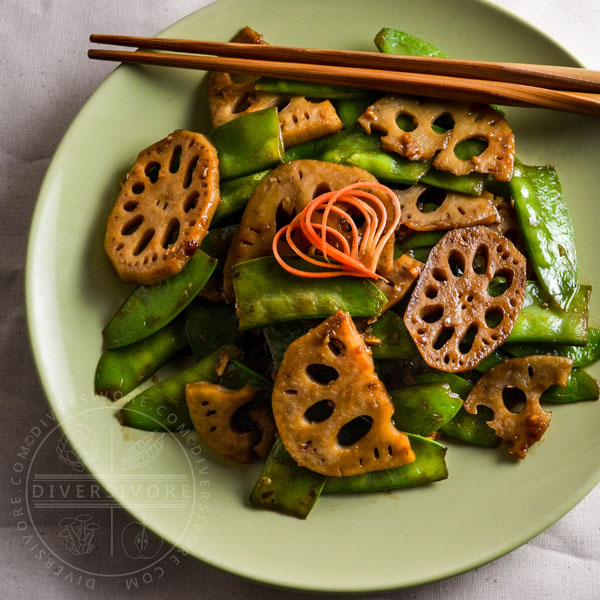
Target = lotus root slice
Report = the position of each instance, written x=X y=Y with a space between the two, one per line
x=453 y=320
x=212 y=408
x=404 y=273
x=326 y=381
x=532 y=375
x=279 y=197
x=453 y=210
x=231 y=96
x=302 y=121
x=422 y=143
x=164 y=208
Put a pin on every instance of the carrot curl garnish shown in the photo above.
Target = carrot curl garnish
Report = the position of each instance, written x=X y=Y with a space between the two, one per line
x=357 y=256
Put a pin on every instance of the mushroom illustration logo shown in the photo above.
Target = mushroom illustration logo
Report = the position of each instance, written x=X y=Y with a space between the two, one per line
x=78 y=533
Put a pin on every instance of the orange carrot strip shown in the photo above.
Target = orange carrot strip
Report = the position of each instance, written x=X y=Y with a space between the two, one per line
x=360 y=257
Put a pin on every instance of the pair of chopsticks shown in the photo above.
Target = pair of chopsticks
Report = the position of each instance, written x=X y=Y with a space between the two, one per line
x=566 y=89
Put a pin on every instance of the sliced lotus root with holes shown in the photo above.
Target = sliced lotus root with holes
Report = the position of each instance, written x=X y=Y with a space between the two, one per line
x=470 y=121
x=281 y=195
x=231 y=96
x=302 y=121
x=451 y=317
x=405 y=272
x=212 y=408
x=164 y=209
x=419 y=144
x=479 y=121
x=532 y=375
x=453 y=210
x=325 y=385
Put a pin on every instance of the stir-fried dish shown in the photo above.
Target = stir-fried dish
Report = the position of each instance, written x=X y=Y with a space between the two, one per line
x=360 y=279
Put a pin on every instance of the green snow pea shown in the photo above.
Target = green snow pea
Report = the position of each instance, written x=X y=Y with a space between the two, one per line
x=464 y=426
x=456 y=383
x=210 y=326
x=309 y=149
x=580 y=386
x=285 y=487
x=424 y=407
x=266 y=294
x=149 y=308
x=308 y=89
x=582 y=356
x=395 y=339
x=547 y=230
x=217 y=241
x=419 y=239
x=279 y=336
x=162 y=407
x=249 y=144
x=429 y=466
x=350 y=110
x=421 y=254
x=540 y=320
x=235 y=194
x=471 y=184
x=121 y=370
x=358 y=149
x=237 y=375
x=495 y=358
x=393 y=41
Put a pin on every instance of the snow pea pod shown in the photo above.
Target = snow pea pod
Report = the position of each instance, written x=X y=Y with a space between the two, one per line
x=424 y=407
x=149 y=308
x=162 y=407
x=495 y=358
x=547 y=229
x=429 y=466
x=249 y=144
x=279 y=337
x=464 y=426
x=265 y=294
x=235 y=194
x=582 y=356
x=308 y=89
x=285 y=487
x=237 y=375
x=419 y=239
x=358 y=149
x=393 y=41
x=580 y=386
x=395 y=339
x=309 y=149
x=217 y=241
x=540 y=320
x=421 y=254
x=121 y=370
x=349 y=110
x=210 y=326
x=471 y=184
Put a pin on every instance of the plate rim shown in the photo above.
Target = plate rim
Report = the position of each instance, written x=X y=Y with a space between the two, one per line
x=575 y=497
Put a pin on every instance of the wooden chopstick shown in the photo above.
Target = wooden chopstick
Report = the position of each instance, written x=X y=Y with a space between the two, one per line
x=553 y=77
x=437 y=86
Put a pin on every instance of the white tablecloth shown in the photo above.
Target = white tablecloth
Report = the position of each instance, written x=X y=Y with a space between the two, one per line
x=45 y=78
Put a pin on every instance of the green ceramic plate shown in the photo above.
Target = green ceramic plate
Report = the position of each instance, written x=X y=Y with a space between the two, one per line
x=486 y=508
